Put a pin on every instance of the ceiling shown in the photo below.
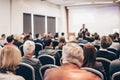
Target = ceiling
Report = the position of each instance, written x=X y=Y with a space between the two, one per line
x=80 y=2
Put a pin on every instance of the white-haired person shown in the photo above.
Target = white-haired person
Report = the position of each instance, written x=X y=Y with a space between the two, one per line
x=10 y=57
x=72 y=60
x=28 y=49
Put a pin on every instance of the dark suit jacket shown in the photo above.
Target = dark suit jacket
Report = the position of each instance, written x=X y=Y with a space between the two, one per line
x=38 y=41
x=106 y=54
x=36 y=65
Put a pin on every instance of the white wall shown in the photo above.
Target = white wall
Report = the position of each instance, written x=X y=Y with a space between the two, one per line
x=102 y=19
x=31 y=6
x=4 y=16
x=11 y=17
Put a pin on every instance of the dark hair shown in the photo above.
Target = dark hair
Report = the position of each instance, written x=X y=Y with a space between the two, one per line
x=62 y=33
x=62 y=39
x=10 y=38
x=36 y=35
x=56 y=35
x=3 y=35
x=97 y=37
x=80 y=35
x=27 y=37
x=47 y=42
x=89 y=55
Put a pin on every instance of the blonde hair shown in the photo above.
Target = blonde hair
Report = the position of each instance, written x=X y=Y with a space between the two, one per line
x=10 y=57
x=28 y=47
x=73 y=53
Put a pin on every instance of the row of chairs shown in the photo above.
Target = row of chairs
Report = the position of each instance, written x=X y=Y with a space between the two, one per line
x=28 y=72
x=106 y=65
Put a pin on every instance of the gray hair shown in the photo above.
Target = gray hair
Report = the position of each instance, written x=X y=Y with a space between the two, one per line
x=73 y=53
x=28 y=47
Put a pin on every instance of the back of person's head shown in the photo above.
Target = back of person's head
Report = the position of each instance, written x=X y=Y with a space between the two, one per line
x=62 y=33
x=56 y=35
x=106 y=41
x=72 y=53
x=87 y=33
x=3 y=35
x=97 y=37
x=116 y=35
x=28 y=47
x=48 y=42
x=10 y=58
x=16 y=37
x=37 y=35
x=72 y=38
x=89 y=55
x=62 y=39
x=10 y=38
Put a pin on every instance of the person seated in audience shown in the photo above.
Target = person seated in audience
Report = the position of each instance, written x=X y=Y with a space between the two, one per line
x=16 y=40
x=72 y=59
x=46 y=36
x=28 y=49
x=115 y=44
x=48 y=48
x=116 y=34
x=22 y=38
x=80 y=39
x=62 y=34
x=10 y=40
x=88 y=37
x=114 y=66
x=27 y=37
x=38 y=39
x=3 y=40
x=97 y=40
x=56 y=36
x=50 y=51
x=10 y=58
x=105 y=42
x=61 y=43
x=90 y=58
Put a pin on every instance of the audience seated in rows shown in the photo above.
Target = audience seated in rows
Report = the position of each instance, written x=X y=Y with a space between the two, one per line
x=38 y=39
x=28 y=49
x=10 y=58
x=72 y=60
